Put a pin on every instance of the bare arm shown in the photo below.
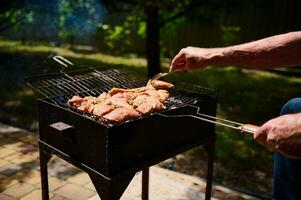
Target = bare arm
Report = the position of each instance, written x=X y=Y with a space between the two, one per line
x=277 y=51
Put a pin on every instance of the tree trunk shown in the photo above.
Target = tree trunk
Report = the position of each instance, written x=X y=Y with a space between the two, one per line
x=152 y=38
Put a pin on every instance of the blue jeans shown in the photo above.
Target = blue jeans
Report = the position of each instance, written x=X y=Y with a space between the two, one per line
x=287 y=171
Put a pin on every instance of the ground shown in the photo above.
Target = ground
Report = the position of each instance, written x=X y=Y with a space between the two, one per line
x=20 y=176
x=246 y=96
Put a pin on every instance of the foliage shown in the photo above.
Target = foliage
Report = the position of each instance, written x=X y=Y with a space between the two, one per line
x=78 y=18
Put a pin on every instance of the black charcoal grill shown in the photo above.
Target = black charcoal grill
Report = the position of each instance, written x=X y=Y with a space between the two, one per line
x=113 y=153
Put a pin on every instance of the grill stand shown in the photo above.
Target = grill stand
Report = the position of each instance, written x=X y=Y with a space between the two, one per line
x=112 y=188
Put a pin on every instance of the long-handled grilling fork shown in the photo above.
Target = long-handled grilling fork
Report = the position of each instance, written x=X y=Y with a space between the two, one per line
x=243 y=128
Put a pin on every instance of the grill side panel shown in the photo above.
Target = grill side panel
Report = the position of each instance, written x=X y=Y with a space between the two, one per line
x=157 y=137
x=86 y=142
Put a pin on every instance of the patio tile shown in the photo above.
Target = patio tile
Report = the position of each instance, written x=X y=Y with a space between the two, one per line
x=28 y=176
x=35 y=195
x=4 y=152
x=6 y=197
x=6 y=182
x=74 y=192
x=54 y=183
x=90 y=186
x=3 y=163
x=79 y=179
x=10 y=169
x=20 y=158
x=19 y=190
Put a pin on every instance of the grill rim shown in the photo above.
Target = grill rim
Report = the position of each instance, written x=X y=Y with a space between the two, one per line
x=181 y=89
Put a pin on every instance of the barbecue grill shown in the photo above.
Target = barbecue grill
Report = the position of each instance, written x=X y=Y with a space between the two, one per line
x=113 y=153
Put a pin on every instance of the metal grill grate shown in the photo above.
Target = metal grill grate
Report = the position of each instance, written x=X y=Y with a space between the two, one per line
x=60 y=87
x=80 y=81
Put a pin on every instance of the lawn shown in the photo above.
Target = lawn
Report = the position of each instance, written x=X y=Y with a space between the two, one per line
x=246 y=96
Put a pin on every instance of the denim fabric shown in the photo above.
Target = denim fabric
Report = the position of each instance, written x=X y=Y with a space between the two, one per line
x=287 y=171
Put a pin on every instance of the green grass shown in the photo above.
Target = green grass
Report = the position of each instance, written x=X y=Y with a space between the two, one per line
x=246 y=96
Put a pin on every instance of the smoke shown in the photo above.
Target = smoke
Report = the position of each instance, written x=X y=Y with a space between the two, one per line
x=58 y=20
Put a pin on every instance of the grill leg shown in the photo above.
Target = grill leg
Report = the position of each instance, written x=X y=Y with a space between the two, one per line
x=210 y=151
x=145 y=183
x=44 y=158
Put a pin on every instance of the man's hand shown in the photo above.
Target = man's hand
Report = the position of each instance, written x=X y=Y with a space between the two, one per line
x=193 y=58
x=282 y=134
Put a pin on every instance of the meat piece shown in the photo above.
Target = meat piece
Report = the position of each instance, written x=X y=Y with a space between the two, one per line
x=102 y=109
x=157 y=84
x=121 y=114
x=118 y=101
x=86 y=106
x=91 y=108
x=76 y=101
x=163 y=95
x=145 y=109
x=115 y=91
x=121 y=104
x=145 y=104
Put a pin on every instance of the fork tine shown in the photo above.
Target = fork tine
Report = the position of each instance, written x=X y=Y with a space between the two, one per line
x=158 y=76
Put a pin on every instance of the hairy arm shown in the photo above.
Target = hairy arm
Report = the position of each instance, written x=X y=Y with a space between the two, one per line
x=277 y=51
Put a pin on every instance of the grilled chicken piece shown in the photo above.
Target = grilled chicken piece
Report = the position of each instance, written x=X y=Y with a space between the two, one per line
x=121 y=114
x=157 y=84
x=163 y=95
x=146 y=104
x=76 y=101
x=120 y=104
x=102 y=109
x=119 y=101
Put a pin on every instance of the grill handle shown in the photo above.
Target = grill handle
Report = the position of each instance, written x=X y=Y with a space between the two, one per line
x=244 y=128
x=62 y=61
x=249 y=128
x=67 y=131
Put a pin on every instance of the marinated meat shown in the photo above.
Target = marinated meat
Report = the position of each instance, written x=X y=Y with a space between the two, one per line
x=121 y=114
x=75 y=101
x=157 y=84
x=121 y=104
x=102 y=109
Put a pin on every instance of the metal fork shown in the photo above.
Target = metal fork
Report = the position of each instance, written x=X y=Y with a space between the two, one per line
x=159 y=76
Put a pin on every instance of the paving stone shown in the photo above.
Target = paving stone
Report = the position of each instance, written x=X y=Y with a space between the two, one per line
x=74 y=192
x=17 y=134
x=7 y=129
x=14 y=145
x=5 y=140
x=4 y=152
x=3 y=163
x=35 y=195
x=20 y=158
x=57 y=197
x=27 y=148
x=28 y=139
x=19 y=190
x=53 y=183
x=90 y=186
x=6 y=197
x=28 y=176
x=10 y=169
x=6 y=182
x=79 y=179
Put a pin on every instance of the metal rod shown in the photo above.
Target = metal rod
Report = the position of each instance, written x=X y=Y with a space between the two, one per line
x=206 y=120
x=217 y=118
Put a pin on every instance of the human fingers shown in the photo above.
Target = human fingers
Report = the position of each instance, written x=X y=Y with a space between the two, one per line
x=260 y=136
x=178 y=63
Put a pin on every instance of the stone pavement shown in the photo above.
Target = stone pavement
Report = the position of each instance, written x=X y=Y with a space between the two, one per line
x=20 y=176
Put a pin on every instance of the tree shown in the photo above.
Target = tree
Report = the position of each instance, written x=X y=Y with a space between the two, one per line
x=156 y=14
x=11 y=13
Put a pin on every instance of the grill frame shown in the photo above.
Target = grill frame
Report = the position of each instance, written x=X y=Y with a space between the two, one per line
x=111 y=172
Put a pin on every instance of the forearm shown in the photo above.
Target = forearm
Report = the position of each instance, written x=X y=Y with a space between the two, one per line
x=277 y=51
